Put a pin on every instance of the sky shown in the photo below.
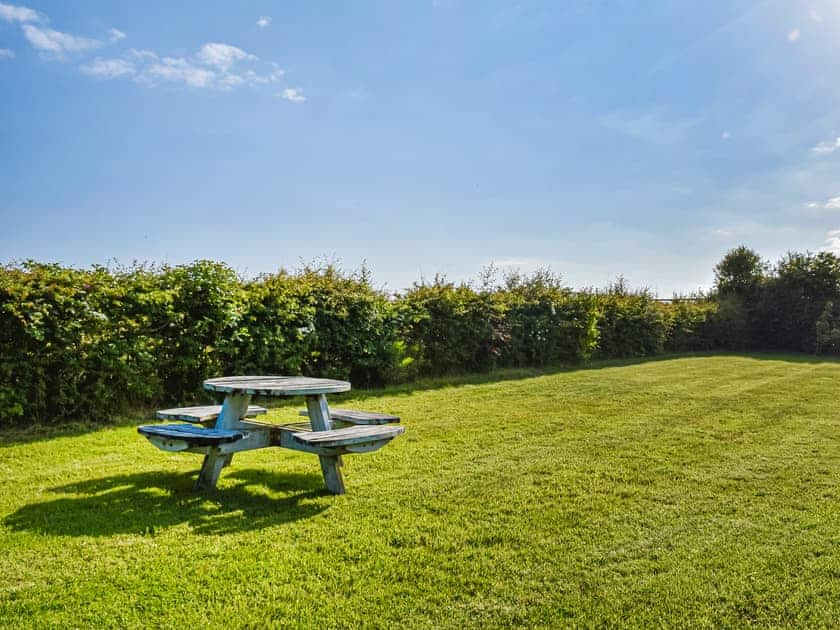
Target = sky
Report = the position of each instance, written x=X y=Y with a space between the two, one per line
x=598 y=138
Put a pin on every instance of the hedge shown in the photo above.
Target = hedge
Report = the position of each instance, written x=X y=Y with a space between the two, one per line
x=91 y=343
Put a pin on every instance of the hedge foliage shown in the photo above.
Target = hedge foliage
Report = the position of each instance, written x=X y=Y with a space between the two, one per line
x=88 y=344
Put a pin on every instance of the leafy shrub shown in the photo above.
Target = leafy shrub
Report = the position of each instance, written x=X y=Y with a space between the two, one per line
x=828 y=329
x=316 y=322
x=688 y=325
x=449 y=328
x=90 y=343
x=68 y=347
x=630 y=324
x=546 y=323
x=206 y=305
x=794 y=298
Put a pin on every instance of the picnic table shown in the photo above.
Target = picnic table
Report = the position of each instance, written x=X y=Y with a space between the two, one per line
x=219 y=431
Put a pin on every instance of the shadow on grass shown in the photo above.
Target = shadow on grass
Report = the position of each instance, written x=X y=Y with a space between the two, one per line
x=144 y=503
x=12 y=437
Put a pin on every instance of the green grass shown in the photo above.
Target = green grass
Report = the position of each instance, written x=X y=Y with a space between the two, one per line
x=693 y=492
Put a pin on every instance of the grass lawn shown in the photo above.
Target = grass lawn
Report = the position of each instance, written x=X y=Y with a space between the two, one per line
x=694 y=492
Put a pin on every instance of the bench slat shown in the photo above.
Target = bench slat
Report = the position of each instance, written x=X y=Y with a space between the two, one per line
x=359 y=417
x=347 y=437
x=204 y=413
x=192 y=435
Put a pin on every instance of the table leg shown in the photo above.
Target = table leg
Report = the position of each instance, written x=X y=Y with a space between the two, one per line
x=233 y=410
x=319 y=417
x=210 y=470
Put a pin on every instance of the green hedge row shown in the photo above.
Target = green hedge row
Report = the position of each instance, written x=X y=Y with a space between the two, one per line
x=91 y=343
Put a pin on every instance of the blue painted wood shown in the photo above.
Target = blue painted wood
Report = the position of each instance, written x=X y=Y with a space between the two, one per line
x=191 y=433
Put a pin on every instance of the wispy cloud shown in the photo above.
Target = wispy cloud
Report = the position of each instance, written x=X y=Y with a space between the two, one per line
x=827 y=147
x=57 y=43
x=832 y=203
x=725 y=135
x=178 y=70
x=794 y=35
x=13 y=13
x=832 y=241
x=109 y=68
x=215 y=65
x=650 y=126
x=222 y=56
x=142 y=54
x=47 y=40
x=294 y=95
x=5 y=53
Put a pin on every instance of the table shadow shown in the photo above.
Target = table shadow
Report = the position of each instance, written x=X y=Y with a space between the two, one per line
x=146 y=503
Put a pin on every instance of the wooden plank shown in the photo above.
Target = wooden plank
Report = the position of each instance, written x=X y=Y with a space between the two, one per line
x=204 y=413
x=190 y=434
x=353 y=416
x=319 y=416
x=348 y=436
x=276 y=385
x=211 y=468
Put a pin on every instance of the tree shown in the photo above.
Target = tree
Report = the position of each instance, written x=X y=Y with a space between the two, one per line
x=740 y=272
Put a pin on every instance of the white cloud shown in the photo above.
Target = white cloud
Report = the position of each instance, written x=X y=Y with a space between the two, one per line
x=12 y=13
x=794 y=35
x=827 y=147
x=832 y=242
x=109 y=68
x=179 y=70
x=725 y=135
x=5 y=53
x=294 y=95
x=142 y=54
x=215 y=65
x=222 y=56
x=816 y=17
x=832 y=203
x=264 y=21
x=55 y=42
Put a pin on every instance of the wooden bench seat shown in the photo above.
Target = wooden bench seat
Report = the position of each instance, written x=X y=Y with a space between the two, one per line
x=354 y=439
x=179 y=437
x=204 y=414
x=351 y=416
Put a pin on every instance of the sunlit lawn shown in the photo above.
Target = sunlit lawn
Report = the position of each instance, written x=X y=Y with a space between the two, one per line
x=696 y=491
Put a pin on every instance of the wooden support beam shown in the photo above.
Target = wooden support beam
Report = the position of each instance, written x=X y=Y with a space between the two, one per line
x=233 y=410
x=214 y=461
x=319 y=417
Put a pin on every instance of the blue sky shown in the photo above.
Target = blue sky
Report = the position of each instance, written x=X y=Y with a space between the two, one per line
x=597 y=137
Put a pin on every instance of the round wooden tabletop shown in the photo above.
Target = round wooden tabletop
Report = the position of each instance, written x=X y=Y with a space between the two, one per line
x=276 y=385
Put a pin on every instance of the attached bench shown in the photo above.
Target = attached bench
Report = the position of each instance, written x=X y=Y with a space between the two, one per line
x=354 y=439
x=180 y=437
x=351 y=416
x=205 y=414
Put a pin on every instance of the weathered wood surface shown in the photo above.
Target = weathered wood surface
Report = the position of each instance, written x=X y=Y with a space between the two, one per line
x=334 y=443
x=353 y=416
x=205 y=413
x=348 y=436
x=211 y=468
x=276 y=385
x=319 y=418
x=192 y=435
x=234 y=433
